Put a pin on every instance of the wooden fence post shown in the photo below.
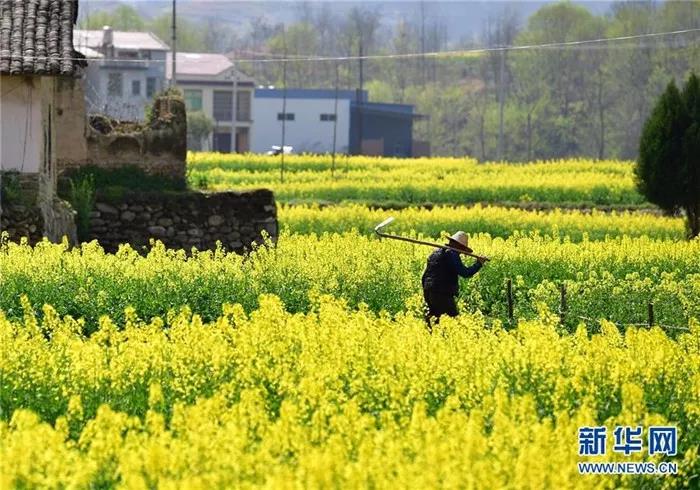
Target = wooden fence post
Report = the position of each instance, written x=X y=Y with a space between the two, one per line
x=509 y=290
x=651 y=313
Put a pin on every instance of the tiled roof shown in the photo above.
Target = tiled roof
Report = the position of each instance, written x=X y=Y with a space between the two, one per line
x=199 y=63
x=203 y=67
x=121 y=40
x=36 y=37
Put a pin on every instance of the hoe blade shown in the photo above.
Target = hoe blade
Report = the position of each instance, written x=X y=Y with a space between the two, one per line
x=384 y=223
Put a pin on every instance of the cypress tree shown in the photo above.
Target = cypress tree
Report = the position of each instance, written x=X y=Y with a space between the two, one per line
x=668 y=170
x=691 y=154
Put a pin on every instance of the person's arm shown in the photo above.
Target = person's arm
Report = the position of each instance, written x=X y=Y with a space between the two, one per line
x=461 y=269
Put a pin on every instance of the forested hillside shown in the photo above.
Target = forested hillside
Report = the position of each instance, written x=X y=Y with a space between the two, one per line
x=554 y=102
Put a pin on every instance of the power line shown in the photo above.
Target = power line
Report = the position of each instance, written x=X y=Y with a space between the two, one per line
x=433 y=54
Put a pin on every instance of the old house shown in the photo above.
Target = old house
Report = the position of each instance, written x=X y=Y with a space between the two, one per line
x=38 y=70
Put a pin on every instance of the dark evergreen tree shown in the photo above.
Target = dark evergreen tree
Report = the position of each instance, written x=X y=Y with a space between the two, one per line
x=667 y=167
x=691 y=154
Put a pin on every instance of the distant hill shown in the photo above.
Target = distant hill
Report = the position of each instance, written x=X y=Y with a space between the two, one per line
x=463 y=19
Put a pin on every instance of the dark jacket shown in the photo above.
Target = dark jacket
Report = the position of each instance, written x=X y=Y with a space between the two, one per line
x=443 y=270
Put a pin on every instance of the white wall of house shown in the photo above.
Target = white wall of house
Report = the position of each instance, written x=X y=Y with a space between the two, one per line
x=307 y=132
x=21 y=124
x=126 y=105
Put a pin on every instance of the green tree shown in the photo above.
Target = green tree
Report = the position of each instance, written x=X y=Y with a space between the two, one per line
x=299 y=39
x=190 y=36
x=123 y=18
x=691 y=154
x=668 y=167
x=199 y=127
x=566 y=75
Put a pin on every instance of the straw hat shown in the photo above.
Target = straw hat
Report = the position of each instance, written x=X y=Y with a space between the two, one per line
x=460 y=240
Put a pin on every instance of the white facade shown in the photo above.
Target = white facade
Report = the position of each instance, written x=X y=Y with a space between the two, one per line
x=307 y=132
x=125 y=71
x=128 y=99
x=21 y=124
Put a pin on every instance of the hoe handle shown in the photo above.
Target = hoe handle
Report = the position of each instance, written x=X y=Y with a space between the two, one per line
x=430 y=244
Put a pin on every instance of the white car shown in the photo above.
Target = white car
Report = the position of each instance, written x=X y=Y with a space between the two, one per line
x=276 y=150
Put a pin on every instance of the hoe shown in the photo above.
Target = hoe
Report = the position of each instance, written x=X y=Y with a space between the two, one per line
x=388 y=221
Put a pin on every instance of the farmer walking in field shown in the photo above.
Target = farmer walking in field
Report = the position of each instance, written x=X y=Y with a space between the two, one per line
x=441 y=277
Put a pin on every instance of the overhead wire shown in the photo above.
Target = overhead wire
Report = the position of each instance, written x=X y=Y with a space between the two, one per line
x=432 y=54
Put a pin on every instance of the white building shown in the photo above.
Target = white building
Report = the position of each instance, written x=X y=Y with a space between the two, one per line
x=310 y=120
x=211 y=84
x=125 y=70
x=317 y=120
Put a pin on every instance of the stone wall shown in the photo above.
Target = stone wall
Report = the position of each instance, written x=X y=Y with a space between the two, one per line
x=27 y=212
x=20 y=221
x=20 y=217
x=185 y=220
x=59 y=221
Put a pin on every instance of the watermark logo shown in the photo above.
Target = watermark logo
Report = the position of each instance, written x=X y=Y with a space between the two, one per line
x=663 y=440
x=592 y=441
x=628 y=440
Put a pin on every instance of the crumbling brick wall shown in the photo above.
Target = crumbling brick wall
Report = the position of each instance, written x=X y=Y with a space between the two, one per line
x=158 y=146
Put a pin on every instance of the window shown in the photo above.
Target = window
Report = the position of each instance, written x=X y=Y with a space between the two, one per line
x=115 y=85
x=289 y=116
x=223 y=105
x=136 y=87
x=327 y=117
x=243 y=106
x=222 y=142
x=151 y=87
x=193 y=100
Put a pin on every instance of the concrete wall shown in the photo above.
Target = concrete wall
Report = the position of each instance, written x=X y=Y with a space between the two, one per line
x=307 y=133
x=21 y=127
x=185 y=220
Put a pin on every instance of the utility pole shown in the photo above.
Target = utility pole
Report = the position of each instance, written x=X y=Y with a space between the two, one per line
x=234 y=110
x=173 y=79
x=422 y=42
x=501 y=99
x=358 y=95
x=335 y=119
x=284 y=104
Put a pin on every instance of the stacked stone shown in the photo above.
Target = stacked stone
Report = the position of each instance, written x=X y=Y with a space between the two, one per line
x=186 y=220
x=21 y=221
